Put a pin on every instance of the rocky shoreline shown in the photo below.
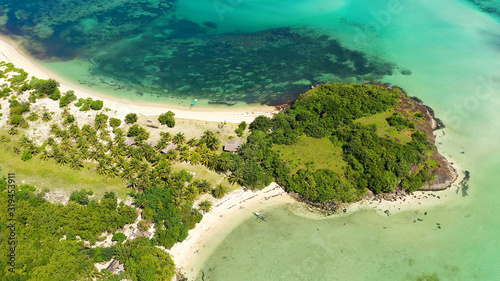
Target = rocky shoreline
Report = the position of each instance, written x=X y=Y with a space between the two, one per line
x=445 y=174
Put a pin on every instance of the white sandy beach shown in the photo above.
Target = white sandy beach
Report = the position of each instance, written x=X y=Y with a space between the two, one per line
x=9 y=53
x=227 y=213
x=232 y=210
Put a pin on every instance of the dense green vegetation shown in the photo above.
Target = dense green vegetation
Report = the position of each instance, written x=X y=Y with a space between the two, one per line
x=47 y=234
x=329 y=111
x=67 y=99
x=165 y=197
x=131 y=118
x=50 y=239
x=400 y=122
x=167 y=119
x=241 y=128
x=88 y=103
x=159 y=206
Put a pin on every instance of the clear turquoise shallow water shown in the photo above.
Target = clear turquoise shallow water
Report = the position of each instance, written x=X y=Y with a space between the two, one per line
x=219 y=51
x=226 y=51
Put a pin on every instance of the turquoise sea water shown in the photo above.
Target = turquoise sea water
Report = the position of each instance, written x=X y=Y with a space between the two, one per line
x=445 y=52
x=218 y=51
x=452 y=49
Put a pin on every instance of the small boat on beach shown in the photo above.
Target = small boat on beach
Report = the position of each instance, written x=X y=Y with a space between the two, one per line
x=193 y=103
x=259 y=216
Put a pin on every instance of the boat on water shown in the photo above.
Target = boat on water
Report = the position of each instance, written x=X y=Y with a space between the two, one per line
x=260 y=216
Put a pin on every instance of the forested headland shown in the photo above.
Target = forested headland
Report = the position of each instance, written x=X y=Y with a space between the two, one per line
x=339 y=141
x=335 y=144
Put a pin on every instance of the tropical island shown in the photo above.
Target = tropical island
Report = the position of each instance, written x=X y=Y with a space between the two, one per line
x=103 y=196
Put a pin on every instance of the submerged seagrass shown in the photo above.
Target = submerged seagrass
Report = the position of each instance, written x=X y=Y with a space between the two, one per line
x=149 y=49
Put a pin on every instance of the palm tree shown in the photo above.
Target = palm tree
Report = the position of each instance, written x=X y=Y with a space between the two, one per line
x=82 y=143
x=65 y=145
x=109 y=145
x=97 y=275
x=235 y=176
x=166 y=136
x=183 y=148
x=87 y=130
x=84 y=153
x=163 y=169
x=93 y=140
x=65 y=112
x=120 y=162
x=179 y=138
x=191 y=193
x=45 y=155
x=192 y=142
x=74 y=130
x=50 y=141
x=213 y=143
x=94 y=155
x=210 y=140
x=172 y=155
x=177 y=194
x=101 y=168
x=135 y=164
x=212 y=162
x=127 y=173
x=61 y=158
x=106 y=160
x=184 y=156
x=105 y=135
x=154 y=159
x=75 y=163
x=223 y=164
x=195 y=158
x=205 y=206
x=132 y=152
x=113 y=171
x=55 y=150
x=206 y=136
x=119 y=138
x=25 y=140
x=33 y=116
x=63 y=134
x=219 y=191
x=13 y=131
x=54 y=129
x=46 y=117
x=100 y=148
x=118 y=150
x=145 y=167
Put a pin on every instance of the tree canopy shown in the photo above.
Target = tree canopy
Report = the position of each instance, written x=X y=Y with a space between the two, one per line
x=330 y=111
